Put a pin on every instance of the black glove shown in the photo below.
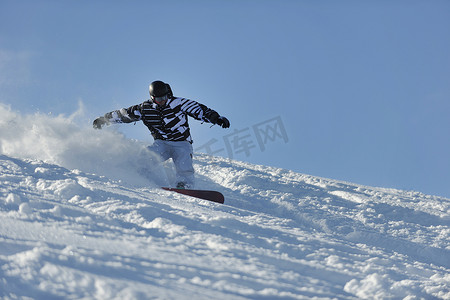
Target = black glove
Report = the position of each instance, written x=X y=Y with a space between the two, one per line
x=213 y=117
x=223 y=122
x=99 y=122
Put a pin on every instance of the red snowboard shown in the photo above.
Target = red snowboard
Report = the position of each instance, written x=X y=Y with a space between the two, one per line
x=201 y=194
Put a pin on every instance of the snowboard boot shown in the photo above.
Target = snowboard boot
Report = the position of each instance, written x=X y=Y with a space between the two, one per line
x=181 y=185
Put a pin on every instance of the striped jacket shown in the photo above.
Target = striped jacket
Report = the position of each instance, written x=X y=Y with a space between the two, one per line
x=165 y=123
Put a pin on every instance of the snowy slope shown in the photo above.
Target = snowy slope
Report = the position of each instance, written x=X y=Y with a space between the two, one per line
x=79 y=218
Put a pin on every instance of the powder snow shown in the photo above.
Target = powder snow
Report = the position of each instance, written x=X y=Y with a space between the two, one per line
x=82 y=216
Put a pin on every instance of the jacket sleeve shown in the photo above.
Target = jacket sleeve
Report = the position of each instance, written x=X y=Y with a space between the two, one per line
x=198 y=111
x=125 y=115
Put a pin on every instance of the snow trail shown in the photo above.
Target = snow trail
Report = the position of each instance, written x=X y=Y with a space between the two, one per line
x=59 y=140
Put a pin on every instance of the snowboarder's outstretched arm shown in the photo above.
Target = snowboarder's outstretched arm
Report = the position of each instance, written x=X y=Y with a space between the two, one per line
x=202 y=112
x=213 y=117
x=124 y=115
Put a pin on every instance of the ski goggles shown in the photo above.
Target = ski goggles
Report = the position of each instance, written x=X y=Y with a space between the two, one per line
x=160 y=99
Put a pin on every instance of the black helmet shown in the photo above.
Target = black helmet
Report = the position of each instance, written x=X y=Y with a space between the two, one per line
x=158 y=89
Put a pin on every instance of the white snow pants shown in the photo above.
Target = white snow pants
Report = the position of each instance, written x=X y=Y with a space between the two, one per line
x=181 y=154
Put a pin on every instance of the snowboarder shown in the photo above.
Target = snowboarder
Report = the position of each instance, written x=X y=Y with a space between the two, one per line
x=166 y=118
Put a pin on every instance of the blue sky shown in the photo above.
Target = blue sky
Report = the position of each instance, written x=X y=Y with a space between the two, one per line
x=361 y=88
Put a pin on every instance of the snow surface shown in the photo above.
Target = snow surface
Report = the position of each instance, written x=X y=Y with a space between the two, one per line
x=81 y=216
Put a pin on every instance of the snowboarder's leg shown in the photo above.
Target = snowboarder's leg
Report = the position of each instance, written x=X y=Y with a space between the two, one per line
x=162 y=149
x=182 y=158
